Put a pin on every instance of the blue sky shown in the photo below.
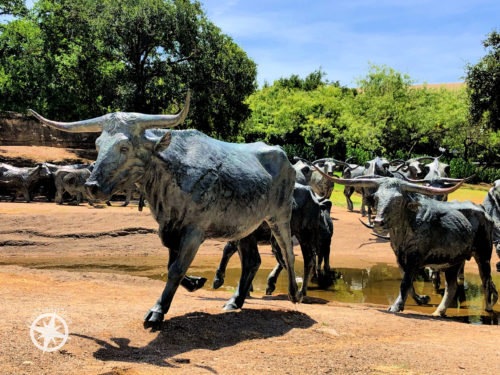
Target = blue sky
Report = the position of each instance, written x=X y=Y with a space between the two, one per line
x=431 y=41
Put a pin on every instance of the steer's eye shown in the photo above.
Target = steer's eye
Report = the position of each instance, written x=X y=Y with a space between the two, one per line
x=124 y=149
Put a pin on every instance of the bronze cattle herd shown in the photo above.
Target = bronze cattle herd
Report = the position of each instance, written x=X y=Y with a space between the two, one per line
x=198 y=187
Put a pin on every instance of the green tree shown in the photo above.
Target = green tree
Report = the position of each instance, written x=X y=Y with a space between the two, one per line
x=81 y=58
x=483 y=82
x=12 y=7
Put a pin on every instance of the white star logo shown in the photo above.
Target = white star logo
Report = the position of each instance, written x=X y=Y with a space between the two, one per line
x=46 y=332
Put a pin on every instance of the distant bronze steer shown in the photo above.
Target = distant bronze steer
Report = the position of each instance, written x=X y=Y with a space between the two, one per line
x=427 y=232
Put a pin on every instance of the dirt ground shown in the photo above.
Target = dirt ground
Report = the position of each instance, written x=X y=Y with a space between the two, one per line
x=104 y=309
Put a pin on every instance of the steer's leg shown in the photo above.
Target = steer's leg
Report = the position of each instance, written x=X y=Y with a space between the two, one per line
x=190 y=240
x=27 y=195
x=405 y=287
x=489 y=289
x=450 y=289
x=420 y=299
x=308 y=254
x=59 y=195
x=79 y=198
x=498 y=253
x=348 y=190
x=141 y=202
x=273 y=275
x=250 y=262
x=436 y=279
x=272 y=278
x=363 y=202
x=461 y=275
x=127 y=198
x=227 y=253
x=281 y=232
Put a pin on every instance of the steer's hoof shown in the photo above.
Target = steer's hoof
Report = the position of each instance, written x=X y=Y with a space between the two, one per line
x=422 y=299
x=230 y=306
x=395 y=309
x=198 y=283
x=270 y=290
x=439 y=313
x=297 y=298
x=218 y=282
x=193 y=283
x=153 y=320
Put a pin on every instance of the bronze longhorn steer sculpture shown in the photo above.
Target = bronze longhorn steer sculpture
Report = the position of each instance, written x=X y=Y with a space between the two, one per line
x=492 y=206
x=20 y=181
x=427 y=232
x=197 y=188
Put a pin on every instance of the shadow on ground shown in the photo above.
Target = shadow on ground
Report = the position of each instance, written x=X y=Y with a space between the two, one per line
x=200 y=330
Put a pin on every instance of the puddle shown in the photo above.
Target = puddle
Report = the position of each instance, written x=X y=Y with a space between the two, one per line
x=378 y=284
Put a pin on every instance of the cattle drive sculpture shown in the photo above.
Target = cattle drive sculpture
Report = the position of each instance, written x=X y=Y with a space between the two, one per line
x=197 y=188
x=427 y=232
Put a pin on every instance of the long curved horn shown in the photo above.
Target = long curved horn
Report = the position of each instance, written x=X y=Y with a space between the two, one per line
x=86 y=126
x=397 y=161
x=430 y=190
x=421 y=181
x=401 y=166
x=440 y=179
x=455 y=180
x=380 y=236
x=365 y=224
x=329 y=159
x=359 y=182
x=164 y=121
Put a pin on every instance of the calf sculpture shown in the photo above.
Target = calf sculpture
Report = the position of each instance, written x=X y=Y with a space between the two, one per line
x=427 y=232
x=197 y=188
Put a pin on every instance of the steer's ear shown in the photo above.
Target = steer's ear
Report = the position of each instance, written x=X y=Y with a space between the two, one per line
x=163 y=143
x=413 y=206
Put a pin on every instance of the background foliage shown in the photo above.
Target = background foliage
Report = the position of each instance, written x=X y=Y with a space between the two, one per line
x=75 y=59
x=386 y=115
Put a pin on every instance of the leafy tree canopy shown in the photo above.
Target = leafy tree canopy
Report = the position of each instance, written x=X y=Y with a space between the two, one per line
x=385 y=115
x=483 y=80
x=74 y=59
x=12 y=7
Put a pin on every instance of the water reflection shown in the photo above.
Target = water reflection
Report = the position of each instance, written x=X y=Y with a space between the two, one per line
x=379 y=285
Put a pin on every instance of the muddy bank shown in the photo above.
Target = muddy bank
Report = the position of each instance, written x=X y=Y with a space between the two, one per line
x=270 y=335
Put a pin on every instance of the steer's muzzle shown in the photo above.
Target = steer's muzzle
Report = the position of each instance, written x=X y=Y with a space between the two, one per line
x=378 y=225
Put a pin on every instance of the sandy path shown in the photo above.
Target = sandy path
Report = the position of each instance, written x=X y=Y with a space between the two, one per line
x=270 y=335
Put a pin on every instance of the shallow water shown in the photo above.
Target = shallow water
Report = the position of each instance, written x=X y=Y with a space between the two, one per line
x=378 y=284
